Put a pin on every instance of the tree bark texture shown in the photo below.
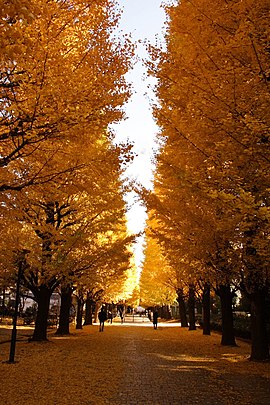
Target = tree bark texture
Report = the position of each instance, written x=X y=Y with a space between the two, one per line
x=191 y=307
x=3 y=307
x=182 y=308
x=42 y=296
x=66 y=297
x=259 y=339
x=206 y=309
x=226 y=296
x=79 y=313
x=88 y=310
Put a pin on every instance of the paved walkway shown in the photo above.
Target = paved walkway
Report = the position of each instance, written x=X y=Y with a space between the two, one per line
x=133 y=364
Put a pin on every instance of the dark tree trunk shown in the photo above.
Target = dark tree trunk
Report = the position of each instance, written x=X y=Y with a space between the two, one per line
x=79 y=313
x=259 y=340
x=226 y=296
x=3 y=307
x=42 y=296
x=182 y=308
x=191 y=307
x=66 y=297
x=206 y=309
x=88 y=320
x=160 y=310
x=163 y=312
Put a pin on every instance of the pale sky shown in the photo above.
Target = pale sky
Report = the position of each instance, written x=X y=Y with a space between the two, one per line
x=144 y=19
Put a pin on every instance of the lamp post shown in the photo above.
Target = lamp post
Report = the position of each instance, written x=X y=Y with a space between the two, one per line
x=21 y=265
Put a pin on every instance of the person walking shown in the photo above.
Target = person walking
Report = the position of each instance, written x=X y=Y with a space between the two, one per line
x=155 y=319
x=102 y=316
x=122 y=314
x=110 y=316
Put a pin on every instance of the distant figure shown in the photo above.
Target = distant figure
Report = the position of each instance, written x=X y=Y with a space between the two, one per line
x=102 y=316
x=122 y=314
x=110 y=316
x=155 y=319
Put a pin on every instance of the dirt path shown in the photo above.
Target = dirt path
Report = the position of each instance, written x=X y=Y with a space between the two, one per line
x=133 y=365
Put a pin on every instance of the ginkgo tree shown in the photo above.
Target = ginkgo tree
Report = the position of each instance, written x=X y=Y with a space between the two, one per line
x=175 y=225
x=61 y=80
x=157 y=279
x=108 y=274
x=213 y=91
x=62 y=84
x=99 y=267
x=70 y=226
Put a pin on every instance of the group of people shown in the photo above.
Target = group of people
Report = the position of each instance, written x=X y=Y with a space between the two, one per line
x=102 y=317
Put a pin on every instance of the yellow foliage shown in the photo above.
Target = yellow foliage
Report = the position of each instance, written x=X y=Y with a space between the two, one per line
x=211 y=189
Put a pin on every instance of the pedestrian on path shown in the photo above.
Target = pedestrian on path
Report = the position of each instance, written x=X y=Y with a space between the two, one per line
x=122 y=314
x=102 y=316
x=155 y=319
x=110 y=316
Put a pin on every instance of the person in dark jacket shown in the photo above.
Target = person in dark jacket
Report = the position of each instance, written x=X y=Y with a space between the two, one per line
x=155 y=319
x=110 y=316
x=102 y=316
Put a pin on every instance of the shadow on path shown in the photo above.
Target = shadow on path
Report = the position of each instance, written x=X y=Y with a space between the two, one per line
x=128 y=365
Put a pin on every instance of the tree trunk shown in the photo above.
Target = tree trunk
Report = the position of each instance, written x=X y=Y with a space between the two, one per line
x=97 y=308
x=66 y=298
x=88 y=320
x=79 y=313
x=259 y=340
x=225 y=295
x=191 y=307
x=3 y=306
x=206 y=309
x=42 y=296
x=182 y=308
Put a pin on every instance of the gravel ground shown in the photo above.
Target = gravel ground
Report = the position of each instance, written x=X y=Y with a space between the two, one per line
x=131 y=364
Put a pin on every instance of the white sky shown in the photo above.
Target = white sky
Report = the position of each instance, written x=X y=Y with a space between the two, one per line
x=144 y=19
